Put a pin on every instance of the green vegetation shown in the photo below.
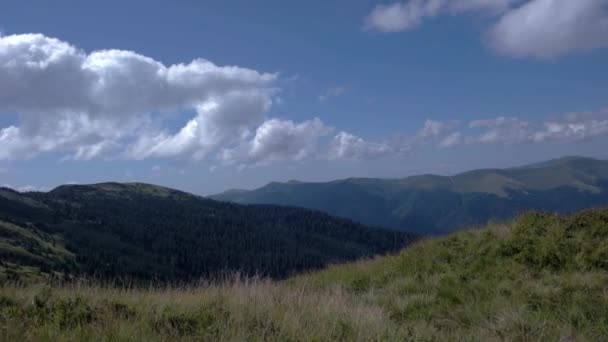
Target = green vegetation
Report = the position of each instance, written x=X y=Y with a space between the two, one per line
x=430 y=204
x=542 y=277
x=141 y=232
x=29 y=254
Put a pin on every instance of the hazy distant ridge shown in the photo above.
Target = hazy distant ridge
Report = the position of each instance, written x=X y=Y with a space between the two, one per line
x=432 y=204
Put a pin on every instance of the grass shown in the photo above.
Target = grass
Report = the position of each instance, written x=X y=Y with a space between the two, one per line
x=540 y=278
x=236 y=311
x=26 y=253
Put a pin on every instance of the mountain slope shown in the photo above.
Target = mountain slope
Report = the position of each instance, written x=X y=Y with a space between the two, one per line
x=431 y=204
x=143 y=232
x=542 y=277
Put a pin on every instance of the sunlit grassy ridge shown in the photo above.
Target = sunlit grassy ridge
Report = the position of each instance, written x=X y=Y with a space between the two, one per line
x=541 y=277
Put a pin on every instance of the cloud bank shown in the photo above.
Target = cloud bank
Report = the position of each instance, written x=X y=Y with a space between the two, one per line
x=91 y=104
x=115 y=104
x=519 y=28
x=570 y=127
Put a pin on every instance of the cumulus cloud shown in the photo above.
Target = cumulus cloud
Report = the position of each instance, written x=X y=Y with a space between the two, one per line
x=550 y=28
x=432 y=129
x=113 y=103
x=41 y=73
x=219 y=122
x=87 y=103
x=280 y=140
x=442 y=134
x=277 y=140
x=401 y=16
x=347 y=146
x=519 y=28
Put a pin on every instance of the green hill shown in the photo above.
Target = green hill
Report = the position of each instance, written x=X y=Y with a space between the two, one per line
x=140 y=232
x=431 y=204
x=542 y=277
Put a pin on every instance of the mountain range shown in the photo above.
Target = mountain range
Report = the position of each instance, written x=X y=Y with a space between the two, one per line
x=140 y=232
x=433 y=204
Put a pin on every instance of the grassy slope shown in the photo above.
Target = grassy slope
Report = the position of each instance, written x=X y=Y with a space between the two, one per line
x=30 y=254
x=542 y=277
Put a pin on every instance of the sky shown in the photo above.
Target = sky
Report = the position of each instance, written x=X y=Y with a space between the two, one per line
x=206 y=96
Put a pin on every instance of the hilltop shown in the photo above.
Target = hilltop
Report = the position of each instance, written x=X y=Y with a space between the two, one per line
x=433 y=204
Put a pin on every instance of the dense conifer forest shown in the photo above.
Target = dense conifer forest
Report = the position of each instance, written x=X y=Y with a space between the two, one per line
x=142 y=232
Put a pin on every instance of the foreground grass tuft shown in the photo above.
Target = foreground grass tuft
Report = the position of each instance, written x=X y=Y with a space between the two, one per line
x=541 y=278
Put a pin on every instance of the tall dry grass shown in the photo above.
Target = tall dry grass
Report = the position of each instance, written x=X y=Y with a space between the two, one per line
x=238 y=310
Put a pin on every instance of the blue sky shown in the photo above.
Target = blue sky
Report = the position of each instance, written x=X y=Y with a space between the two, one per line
x=278 y=90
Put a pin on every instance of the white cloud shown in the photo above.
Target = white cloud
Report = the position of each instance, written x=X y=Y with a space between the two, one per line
x=492 y=6
x=408 y=15
x=84 y=104
x=89 y=152
x=501 y=129
x=332 y=92
x=401 y=16
x=442 y=134
x=219 y=122
x=433 y=129
x=433 y=133
x=576 y=126
x=519 y=28
x=451 y=140
x=277 y=140
x=113 y=103
x=571 y=127
x=348 y=146
x=550 y=28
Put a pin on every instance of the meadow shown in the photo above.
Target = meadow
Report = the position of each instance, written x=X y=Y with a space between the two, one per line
x=541 y=277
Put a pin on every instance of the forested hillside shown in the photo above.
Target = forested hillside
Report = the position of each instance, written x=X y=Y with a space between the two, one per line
x=136 y=232
x=431 y=204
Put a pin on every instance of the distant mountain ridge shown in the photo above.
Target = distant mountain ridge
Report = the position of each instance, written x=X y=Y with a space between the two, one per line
x=433 y=204
x=144 y=232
